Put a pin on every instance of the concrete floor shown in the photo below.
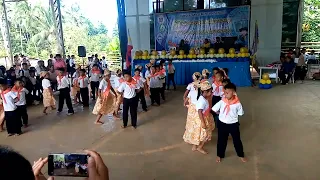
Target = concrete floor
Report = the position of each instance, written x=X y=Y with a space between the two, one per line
x=280 y=132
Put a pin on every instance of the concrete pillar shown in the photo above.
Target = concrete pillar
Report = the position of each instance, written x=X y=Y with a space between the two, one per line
x=138 y=23
x=268 y=13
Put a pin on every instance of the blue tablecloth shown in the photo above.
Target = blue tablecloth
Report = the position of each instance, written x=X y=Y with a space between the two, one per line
x=239 y=72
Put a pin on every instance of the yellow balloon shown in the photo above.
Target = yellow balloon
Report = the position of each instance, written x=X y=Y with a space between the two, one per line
x=194 y=56
x=211 y=51
x=145 y=53
x=189 y=56
x=154 y=53
x=191 y=52
x=163 y=52
x=262 y=81
x=265 y=76
x=144 y=57
x=180 y=56
x=221 y=51
x=228 y=55
x=232 y=51
x=202 y=51
x=242 y=54
x=181 y=52
x=243 y=50
x=172 y=52
x=232 y=55
x=268 y=81
x=184 y=56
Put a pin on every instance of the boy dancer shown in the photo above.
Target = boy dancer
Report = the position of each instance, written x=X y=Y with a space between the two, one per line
x=10 y=109
x=84 y=91
x=64 y=88
x=21 y=92
x=229 y=109
x=129 y=90
x=142 y=83
x=171 y=71
x=155 y=82
x=94 y=80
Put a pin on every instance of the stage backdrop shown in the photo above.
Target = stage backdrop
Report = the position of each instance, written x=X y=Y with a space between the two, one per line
x=195 y=26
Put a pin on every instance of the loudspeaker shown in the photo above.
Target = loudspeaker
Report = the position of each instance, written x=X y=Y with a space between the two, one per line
x=82 y=51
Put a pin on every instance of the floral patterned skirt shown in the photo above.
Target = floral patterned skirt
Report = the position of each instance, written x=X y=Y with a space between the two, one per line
x=48 y=100
x=119 y=99
x=74 y=91
x=194 y=133
x=105 y=106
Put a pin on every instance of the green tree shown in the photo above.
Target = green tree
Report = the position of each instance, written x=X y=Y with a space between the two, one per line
x=312 y=19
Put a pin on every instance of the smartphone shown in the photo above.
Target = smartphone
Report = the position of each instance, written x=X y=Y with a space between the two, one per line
x=64 y=164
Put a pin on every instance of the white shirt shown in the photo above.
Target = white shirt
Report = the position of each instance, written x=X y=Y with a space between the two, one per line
x=104 y=64
x=190 y=87
x=22 y=99
x=128 y=92
x=141 y=81
x=146 y=74
x=103 y=85
x=230 y=118
x=202 y=103
x=75 y=75
x=46 y=84
x=217 y=92
x=155 y=82
x=8 y=101
x=83 y=82
x=116 y=82
x=24 y=73
x=63 y=83
x=171 y=69
x=71 y=62
x=193 y=96
x=95 y=77
x=311 y=57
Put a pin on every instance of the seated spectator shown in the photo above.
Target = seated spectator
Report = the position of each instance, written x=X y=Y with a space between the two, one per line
x=24 y=71
x=13 y=162
x=287 y=68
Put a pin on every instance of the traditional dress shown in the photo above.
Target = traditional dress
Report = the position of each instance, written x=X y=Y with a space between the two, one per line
x=76 y=88
x=105 y=105
x=118 y=81
x=48 y=99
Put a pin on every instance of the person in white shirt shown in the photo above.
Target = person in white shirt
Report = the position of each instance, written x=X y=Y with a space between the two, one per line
x=171 y=72
x=129 y=90
x=191 y=87
x=163 y=75
x=199 y=122
x=142 y=83
x=84 y=90
x=24 y=71
x=217 y=92
x=64 y=88
x=106 y=99
x=95 y=75
x=118 y=80
x=229 y=108
x=155 y=83
x=21 y=92
x=9 y=98
x=48 y=99
x=104 y=63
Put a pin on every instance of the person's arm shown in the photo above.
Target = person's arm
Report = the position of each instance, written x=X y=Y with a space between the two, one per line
x=185 y=94
x=240 y=110
x=203 y=124
x=186 y=102
x=216 y=107
x=25 y=90
x=121 y=88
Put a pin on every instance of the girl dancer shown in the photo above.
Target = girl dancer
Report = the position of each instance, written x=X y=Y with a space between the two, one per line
x=191 y=87
x=199 y=125
x=106 y=98
x=48 y=99
x=205 y=75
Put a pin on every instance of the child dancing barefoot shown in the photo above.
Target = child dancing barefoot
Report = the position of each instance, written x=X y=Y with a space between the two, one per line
x=48 y=99
x=107 y=96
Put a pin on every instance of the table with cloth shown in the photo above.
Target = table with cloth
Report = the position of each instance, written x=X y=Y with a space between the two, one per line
x=239 y=72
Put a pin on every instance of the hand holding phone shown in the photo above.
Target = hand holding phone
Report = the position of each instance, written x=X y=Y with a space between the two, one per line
x=96 y=167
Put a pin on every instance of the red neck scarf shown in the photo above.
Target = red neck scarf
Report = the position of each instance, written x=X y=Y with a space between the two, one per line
x=95 y=71
x=3 y=93
x=17 y=90
x=121 y=80
x=218 y=84
x=235 y=100
x=59 y=79
x=82 y=79
x=132 y=83
x=107 y=91
x=137 y=78
x=155 y=74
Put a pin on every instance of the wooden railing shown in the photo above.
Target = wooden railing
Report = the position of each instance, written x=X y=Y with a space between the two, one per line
x=308 y=45
x=114 y=60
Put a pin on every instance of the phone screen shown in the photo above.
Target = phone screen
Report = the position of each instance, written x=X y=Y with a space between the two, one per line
x=63 y=164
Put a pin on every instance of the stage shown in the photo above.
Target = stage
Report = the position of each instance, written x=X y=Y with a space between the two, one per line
x=239 y=72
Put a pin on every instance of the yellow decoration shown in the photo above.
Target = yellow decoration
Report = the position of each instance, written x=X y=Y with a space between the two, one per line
x=263 y=81
x=163 y=52
x=194 y=56
x=268 y=81
x=184 y=56
x=154 y=53
x=200 y=56
x=181 y=52
x=221 y=51
x=145 y=53
x=232 y=51
x=211 y=51
x=172 y=52
x=228 y=55
x=243 y=50
x=191 y=52
x=190 y=56
x=180 y=56
x=265 y=76
x=202 y=51
x=242 y=55
x=144 y=57
x=232 y=55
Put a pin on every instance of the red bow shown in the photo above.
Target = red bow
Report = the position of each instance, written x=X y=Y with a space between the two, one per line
x=95 y=71
x=18 y=90
x=218 y=84
x=82 y=79
x=137 y=77
x=132 y=83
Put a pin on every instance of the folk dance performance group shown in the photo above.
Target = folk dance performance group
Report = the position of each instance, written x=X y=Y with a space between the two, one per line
x=213 y=103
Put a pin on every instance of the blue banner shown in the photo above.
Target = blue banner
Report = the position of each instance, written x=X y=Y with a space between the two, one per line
x=196 y=26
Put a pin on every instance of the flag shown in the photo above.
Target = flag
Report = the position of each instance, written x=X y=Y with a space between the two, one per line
x=129 y=49
x=255 y=43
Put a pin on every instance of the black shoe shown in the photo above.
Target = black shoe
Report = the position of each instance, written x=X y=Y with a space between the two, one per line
x=145 y=110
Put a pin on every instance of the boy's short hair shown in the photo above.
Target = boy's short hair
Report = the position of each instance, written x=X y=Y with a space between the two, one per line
x=156 y=66
x=83 y=70
x=126 y=73
x=24 y=64
x=215 y=69
x=18 y=80
x=3 y=81
x=58 y=56
x=137 y=70
x=227 y=81
x=61 y=69
x=231 y=86
x=221 y=73
x=95 y=65
x=32 y=71
x=226 y=70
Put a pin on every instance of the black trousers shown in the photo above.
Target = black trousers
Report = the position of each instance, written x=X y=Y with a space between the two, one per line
x=162 y=89
x=65 y=95
x=142 y=99
x=171 y=79
x=94 y=88
x=282 y=76
x=13 y=122
x=223 y=133
x=84 y=92
x=130 y=104
x=300 y=73
x=22 y=114
x=155 y=95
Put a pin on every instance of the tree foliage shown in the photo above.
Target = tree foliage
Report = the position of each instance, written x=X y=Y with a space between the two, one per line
x=33 y=31
x=312 y=19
